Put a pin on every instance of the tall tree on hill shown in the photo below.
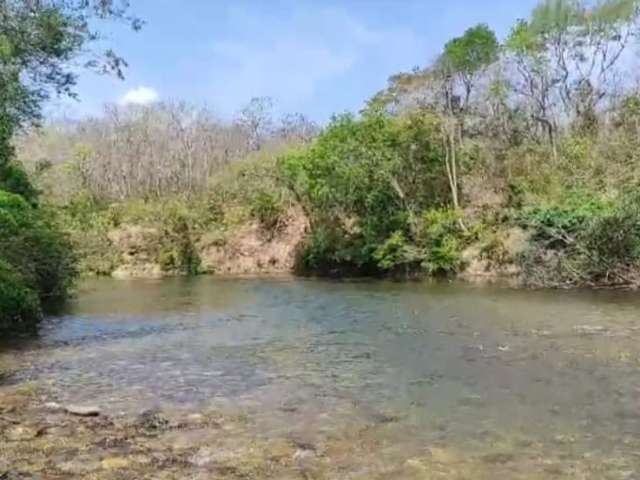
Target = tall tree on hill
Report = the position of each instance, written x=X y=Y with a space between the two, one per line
x=564 y=58
x=464 y=59
x=39 y=39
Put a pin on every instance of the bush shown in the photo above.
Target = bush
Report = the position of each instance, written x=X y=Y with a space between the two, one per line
x=182 y=255
x=250 y=189
x=610 y=245
x=267 y=210
x=36 y=262
x=443 y=240
x=397 y=252
x=19 y=304
x=558 y=222
x=324 y=251
x=14 y=179
x=585 y=240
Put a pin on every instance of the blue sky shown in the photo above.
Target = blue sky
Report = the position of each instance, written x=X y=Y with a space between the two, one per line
x=314 y=57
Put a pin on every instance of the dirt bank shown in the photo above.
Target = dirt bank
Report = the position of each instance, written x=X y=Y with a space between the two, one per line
x=243 y=249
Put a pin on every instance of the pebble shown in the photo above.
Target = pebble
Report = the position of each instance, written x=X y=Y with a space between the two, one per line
x=114 y=463
x=20 y=433
x=53 y=407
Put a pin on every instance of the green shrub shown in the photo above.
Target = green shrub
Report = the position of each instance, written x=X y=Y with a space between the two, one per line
x=442 y=239
x=267 y=210
x=179 y=250
x=585 y=240
x=610 y=245
x=15 y=180
x=35 y=259
x=559 y=221
x=397 y=252
x=250 y=189
x=19 y=304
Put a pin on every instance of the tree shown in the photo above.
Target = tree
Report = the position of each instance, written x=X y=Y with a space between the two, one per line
x=463 y=60
x=297 y=128
x=565 y=56
x=38 y=41
x=467 y=56
x=366 y=181
x=256 y=119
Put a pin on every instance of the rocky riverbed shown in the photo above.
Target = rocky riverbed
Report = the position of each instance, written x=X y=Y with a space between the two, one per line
x=41 y=440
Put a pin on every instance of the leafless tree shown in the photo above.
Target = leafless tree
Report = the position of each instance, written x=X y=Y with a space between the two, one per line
x=256 y=120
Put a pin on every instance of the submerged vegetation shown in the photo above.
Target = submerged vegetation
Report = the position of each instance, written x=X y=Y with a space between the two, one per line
x=514 y=156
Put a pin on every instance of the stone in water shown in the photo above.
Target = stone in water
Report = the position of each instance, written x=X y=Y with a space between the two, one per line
x=83 y=411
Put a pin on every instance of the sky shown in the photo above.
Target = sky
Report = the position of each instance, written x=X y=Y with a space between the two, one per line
x=316 y=57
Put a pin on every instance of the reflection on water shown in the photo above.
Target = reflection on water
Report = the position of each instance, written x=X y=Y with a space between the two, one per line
x=450 y=364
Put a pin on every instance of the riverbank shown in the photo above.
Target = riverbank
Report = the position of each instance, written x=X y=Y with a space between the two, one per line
x=356 y=201
x=146 y=246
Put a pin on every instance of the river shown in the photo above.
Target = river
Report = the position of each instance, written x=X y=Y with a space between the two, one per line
x=423 y=380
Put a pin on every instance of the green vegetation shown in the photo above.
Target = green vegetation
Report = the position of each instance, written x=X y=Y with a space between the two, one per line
x=37 y=42
x=36 y=264
x=516 y=156
x=369 y=186
x=584 y=239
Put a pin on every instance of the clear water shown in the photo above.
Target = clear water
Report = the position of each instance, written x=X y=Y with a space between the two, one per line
x=478 y=369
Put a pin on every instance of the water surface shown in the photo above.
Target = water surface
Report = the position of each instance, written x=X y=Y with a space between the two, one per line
x=473 y=369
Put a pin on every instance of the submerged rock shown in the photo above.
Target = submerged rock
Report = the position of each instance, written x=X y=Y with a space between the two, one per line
x=83 y=410
x=152 y=421
x=590 y=329
x=472 y=400
x=20 y=432
x=114 y=463
x=498 y=457
x=18 y=476
x=53 y=407
x=203 y=457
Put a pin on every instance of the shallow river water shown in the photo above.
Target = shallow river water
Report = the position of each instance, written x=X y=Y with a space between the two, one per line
x=545 y=382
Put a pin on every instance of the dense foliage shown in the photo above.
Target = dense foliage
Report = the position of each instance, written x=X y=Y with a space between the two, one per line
x=370 y=186
x=38 y=39
x=36 y=264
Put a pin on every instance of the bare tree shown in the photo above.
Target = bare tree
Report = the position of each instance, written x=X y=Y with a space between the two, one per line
x=297 y=128
x=256 y=120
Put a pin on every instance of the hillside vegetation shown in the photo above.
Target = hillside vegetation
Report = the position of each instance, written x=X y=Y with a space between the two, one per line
x=513 y=157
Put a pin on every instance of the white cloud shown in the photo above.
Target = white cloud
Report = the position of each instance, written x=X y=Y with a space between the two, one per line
x=140 y=96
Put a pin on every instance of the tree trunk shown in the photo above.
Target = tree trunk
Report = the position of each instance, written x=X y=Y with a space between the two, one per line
x=452 y=170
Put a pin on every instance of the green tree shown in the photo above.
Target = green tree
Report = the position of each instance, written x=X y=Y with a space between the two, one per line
x=365 y=183
x=566 y=55
x=466 y=56
x=463 y=60
x=38 y=41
